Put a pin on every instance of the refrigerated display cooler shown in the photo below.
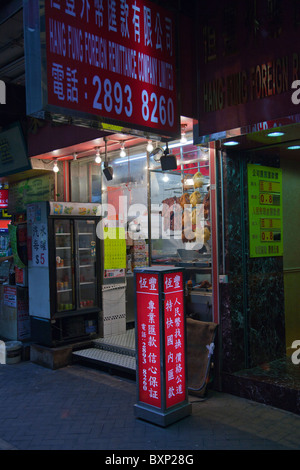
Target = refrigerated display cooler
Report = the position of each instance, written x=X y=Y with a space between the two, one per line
x=64 y=272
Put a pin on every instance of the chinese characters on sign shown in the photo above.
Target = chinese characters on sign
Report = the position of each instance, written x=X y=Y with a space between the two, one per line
x=265 y=211
x=113 y=58
x=174 y=338
x=147 y=293
x=39 y=245
x=149 y=347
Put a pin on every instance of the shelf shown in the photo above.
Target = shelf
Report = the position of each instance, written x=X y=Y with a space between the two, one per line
x=62 y=233
x=86 y=265
x=85 y=248
x=63 y=248
x=63 y=267
x=63 y=290
x=86 y=233
x=87 y=283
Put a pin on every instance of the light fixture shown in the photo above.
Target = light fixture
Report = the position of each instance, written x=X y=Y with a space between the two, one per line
x=149 y=146
x=165 y=178
x=231 y=143
x=294 y=147
x=74 y=156
x=168 y=161
x=183 y=139
x=98 y=157
x=156 y=154
x=275 y=134
x=108 y=170
x=55 y=167
x=122 y=151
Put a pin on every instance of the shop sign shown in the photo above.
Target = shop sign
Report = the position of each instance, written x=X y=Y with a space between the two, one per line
x=161 y=345
x=148 y=339
x=265 y=211
x=39 y=245
x=248 y=63
x=174 y=338
x=13 y=153
x=114 y=248
x=3 y=198
x=108 y=63
x=10 y=296
x=12 y=230
x=74 y=209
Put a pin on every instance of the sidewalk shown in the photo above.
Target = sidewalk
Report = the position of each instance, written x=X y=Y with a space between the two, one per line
x=86 y=409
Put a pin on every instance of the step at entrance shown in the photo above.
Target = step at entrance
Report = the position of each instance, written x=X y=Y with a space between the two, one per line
x=116 y=352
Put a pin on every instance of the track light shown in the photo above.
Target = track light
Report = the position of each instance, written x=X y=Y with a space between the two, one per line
x=168 y=161
x=98 y=157
x=108 y=170
x=149 y=146
x=122 y=152
x=156 y=154
x=55 y=167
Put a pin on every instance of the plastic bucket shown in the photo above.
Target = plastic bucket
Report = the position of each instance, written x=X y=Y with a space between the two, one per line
x=13 y=352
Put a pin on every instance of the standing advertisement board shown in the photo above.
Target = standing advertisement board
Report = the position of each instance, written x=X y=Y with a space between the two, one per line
x=161 y=346
x=106 y=64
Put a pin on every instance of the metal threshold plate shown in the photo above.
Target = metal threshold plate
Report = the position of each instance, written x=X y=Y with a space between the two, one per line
x=107 y=357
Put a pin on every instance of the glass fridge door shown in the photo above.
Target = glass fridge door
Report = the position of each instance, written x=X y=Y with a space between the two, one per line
x=65 y=297
x=86 y=263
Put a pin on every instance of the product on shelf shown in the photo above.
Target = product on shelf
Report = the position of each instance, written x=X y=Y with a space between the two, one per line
x=184 y=200
x=195 y=198
x=198 y=180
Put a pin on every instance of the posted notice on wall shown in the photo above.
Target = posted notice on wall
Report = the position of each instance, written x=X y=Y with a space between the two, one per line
x=265 y=211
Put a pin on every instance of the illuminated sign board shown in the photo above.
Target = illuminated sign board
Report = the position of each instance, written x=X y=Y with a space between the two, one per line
x=103 y=63
x=265 y=211
x=161 y=345
x=247 y=63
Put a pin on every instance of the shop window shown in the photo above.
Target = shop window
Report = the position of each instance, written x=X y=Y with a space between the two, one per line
x=180 y=223
x=85 y=180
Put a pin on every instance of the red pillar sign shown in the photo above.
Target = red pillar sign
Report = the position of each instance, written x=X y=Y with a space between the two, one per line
x=161 y=346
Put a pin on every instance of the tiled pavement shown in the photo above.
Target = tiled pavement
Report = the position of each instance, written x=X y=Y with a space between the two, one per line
x=86 y=409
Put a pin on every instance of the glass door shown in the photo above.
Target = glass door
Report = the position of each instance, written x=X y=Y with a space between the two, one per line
x=86 y=263
x=65 y=298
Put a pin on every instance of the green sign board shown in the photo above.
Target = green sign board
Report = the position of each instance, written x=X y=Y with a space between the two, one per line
x=265 y=211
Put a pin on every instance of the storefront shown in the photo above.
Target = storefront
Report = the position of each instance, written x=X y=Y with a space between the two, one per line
x=248 y=106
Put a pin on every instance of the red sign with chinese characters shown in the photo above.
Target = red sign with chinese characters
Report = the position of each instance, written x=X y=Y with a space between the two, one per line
x=3 y=198
x=248 y=60
x=174 y=339
x=147 y=296
x=114 y=59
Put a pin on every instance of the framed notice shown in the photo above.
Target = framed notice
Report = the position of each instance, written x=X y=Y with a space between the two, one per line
x=108 y=64
x=265 y=211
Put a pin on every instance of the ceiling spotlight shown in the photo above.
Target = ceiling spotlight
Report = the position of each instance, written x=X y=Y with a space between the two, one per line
x=231 y=143
x=55 y=167
x=122 y=151
x=168 y=161
x=149 y=146
x=275 y=134
x=156 y=154
x=294 y=147
x=98 y=157
x=108 y=170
